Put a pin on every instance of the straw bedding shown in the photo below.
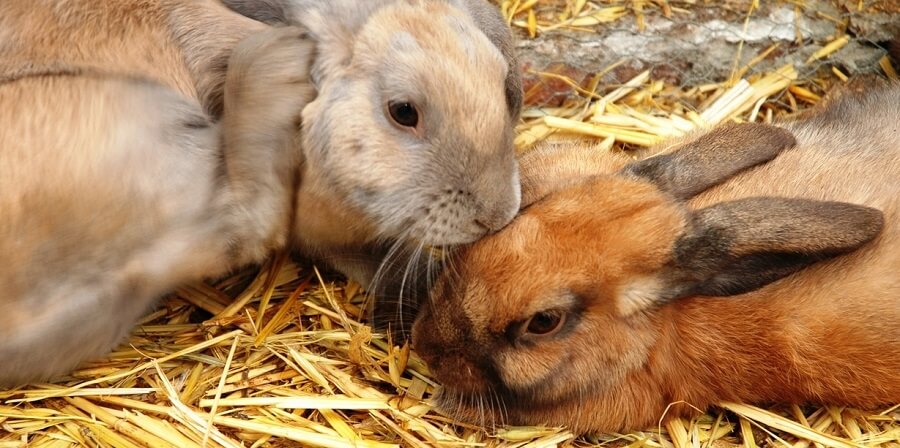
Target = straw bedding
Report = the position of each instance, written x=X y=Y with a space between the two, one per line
x=278 y=356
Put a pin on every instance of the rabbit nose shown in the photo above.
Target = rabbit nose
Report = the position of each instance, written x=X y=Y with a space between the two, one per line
x=455 y=371
x=499 y=195
x=496 y=218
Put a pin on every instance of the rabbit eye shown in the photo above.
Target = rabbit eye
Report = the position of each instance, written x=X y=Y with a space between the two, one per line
x=545 y=323
x=404 y=113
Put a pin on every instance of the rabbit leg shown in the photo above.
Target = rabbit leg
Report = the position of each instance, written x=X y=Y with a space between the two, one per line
x=266 y=88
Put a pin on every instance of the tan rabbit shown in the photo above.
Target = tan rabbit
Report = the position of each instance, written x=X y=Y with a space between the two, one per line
x=409 y=134
x=115 y=183
x=147 y=143
x=612 y=297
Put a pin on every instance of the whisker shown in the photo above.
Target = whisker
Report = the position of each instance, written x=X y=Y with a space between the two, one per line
x=386 y=263
x=409 y=276
x=459 y=408
x=491 y=409
x=481 y=418
x=501 y=406
x=379 y=288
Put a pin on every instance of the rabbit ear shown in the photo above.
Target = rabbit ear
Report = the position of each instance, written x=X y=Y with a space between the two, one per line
x=272 y=12
x=712 y=158
x=489 y=20
x=738 y=246
x=551 y=167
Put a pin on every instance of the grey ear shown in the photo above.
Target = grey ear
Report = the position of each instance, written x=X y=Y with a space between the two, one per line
x=738 y=246
x=492 y=24
x=712 y=158
x=272 y=12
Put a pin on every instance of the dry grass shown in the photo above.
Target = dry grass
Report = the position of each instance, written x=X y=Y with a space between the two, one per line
x=278 y=357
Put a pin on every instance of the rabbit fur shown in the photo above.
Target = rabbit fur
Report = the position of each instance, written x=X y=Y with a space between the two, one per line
x=452 y=183
x=750 y=263
x=148 y=143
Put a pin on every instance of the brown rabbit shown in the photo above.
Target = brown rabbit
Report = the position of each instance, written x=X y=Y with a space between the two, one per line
x=611 y=298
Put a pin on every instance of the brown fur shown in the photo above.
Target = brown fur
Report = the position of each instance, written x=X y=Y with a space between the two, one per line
x=626 y=263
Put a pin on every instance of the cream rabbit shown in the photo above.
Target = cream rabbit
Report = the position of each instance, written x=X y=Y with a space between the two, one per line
x=117 y=183
x=611 y=298
x=447 y=177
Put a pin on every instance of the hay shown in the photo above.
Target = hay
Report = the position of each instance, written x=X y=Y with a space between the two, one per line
x=278 y=356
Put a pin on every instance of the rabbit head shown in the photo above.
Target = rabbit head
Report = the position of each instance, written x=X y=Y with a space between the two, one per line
x=411 y=134
x=555 y=319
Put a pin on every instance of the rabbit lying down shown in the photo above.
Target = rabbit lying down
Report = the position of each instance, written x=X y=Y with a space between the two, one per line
x=147 y=143
x=442 y=171
x=698 y=276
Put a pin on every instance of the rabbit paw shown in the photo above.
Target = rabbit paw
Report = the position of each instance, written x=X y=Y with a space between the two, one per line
x=267 y=86
x=268 y=79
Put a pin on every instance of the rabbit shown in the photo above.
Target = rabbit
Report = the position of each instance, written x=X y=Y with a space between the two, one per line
x=751 y=263
x=149 y=143
x=119 y=180
x=431 y=182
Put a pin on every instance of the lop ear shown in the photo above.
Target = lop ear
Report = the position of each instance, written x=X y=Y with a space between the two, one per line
x=489 y=20
x=553 y=166
x=711 y=158
x=738 y=246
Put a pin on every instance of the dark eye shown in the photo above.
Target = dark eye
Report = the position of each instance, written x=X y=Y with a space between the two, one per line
x=545 y=323
x=404 y=113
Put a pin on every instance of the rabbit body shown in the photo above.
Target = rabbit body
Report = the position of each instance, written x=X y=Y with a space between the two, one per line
x=113 y=182
x=610 y=299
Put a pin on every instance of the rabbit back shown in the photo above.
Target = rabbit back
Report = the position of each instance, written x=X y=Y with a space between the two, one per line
x=101 y=216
